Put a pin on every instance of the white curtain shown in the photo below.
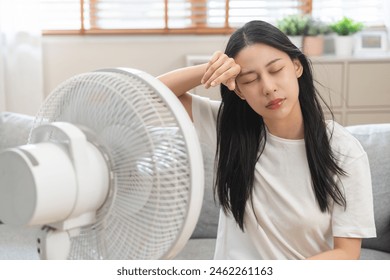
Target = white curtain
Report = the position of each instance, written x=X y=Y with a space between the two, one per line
x=21 y=74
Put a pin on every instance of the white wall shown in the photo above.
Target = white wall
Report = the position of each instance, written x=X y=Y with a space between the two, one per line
x=66 y=56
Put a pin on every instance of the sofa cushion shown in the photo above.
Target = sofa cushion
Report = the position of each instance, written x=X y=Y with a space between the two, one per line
x=14 y=129
x=198 y=249
x=375 y=139
x=207 y=225
x=370 y=254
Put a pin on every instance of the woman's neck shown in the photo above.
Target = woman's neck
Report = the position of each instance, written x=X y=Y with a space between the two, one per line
x=287 y=132
x=289 y=128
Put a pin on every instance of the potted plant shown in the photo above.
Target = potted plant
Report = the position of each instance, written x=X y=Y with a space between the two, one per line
x=294 y=27
x=313 y=40
x=345 y=28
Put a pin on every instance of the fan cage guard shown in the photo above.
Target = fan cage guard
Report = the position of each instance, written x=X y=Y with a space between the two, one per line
x=154 y=157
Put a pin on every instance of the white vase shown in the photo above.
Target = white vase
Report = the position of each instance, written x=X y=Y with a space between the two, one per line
x=344 y=45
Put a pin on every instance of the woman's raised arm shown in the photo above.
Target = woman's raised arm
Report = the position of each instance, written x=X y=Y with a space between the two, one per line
x=220 y=69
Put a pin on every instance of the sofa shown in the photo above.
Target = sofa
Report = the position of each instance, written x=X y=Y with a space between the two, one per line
x=375 y=138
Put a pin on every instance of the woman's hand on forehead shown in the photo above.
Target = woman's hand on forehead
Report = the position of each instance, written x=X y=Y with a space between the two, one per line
x=221 y=69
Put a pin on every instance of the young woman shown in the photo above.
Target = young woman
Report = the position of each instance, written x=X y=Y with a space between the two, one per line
x=291 y=185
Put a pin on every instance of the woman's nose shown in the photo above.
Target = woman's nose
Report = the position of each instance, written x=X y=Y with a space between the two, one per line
x=269 y=86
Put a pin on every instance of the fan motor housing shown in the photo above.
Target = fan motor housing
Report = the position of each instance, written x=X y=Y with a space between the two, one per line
x=60 y=183
x=37 y=189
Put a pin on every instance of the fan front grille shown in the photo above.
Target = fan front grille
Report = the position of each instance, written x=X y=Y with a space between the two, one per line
x=148 y=158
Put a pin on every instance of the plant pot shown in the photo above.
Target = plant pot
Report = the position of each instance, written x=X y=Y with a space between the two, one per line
x=297 y=41
x=313 y=45
x=344 y=45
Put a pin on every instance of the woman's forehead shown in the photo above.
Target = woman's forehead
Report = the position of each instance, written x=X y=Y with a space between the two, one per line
x=260 y=55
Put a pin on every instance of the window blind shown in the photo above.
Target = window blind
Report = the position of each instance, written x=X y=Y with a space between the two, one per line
x=160 y=16
x=241 y=12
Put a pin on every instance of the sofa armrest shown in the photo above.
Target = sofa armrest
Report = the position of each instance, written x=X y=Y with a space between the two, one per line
x=375 y=139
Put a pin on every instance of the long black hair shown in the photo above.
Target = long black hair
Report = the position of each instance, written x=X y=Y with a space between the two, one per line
x=241 y=134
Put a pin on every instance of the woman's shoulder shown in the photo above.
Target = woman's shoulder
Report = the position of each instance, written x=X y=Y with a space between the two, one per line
x=343 y=142
x=205 y=102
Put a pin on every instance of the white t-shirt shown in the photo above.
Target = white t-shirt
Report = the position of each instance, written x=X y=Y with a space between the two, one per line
x=287 y=222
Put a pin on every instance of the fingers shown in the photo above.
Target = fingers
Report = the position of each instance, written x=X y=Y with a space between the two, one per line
x=221 y=69
x=214 y=62
x=231 y=83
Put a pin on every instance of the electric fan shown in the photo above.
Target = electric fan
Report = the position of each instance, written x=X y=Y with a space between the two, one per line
x=112 y=170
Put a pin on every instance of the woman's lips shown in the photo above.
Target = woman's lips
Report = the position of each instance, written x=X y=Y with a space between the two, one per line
x=275 y=104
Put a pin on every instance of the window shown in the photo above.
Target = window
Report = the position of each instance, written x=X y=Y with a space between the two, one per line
x=191 y=16
x=160 y=16
x=371 y=13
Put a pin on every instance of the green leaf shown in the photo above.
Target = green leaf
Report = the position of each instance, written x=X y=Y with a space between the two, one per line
x=346 y=26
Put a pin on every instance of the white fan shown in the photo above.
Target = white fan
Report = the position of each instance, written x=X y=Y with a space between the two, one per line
x=112 y=170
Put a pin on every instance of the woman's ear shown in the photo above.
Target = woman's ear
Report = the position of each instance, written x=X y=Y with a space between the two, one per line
x=238 y=93
x=298 y=68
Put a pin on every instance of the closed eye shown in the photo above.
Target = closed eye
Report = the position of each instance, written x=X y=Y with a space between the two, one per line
x=248 y=82
x=273 y=71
